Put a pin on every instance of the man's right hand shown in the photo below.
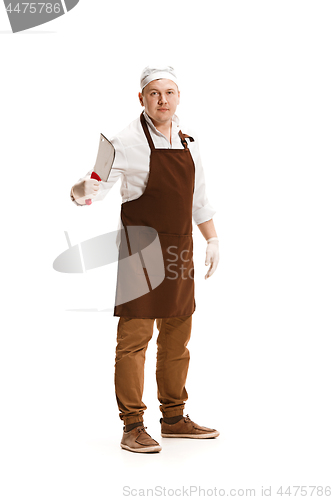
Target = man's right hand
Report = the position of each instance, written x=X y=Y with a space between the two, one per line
x=85 y=189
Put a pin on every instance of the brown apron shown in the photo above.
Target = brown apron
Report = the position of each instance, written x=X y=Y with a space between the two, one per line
x=165 y=206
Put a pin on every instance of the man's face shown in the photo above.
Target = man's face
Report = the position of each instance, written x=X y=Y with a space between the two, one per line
x=160 y=99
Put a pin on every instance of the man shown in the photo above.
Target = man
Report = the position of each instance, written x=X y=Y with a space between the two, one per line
x=163 y=187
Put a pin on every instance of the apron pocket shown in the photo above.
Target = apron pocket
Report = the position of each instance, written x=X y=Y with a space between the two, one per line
x=151 y=257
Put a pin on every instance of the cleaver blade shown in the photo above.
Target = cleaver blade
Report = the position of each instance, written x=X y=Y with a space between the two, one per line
x=104 y=161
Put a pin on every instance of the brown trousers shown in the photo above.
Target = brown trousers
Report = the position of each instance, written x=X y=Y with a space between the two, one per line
x=172 y=364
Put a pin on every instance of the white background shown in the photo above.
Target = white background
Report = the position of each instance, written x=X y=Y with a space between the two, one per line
x=256 y=83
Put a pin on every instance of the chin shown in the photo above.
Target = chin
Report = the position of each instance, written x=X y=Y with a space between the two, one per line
x=164 y=116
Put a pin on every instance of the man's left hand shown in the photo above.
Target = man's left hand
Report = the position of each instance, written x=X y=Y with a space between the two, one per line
x=212 y=255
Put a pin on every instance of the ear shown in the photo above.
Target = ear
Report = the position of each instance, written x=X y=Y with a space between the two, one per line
x=178 y=96
x=140 y=99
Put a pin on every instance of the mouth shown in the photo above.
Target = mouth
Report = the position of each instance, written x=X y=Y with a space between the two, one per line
x=162 y=109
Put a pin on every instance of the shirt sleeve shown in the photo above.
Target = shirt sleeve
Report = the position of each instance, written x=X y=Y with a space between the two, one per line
x=118 y=169
x=202 y=210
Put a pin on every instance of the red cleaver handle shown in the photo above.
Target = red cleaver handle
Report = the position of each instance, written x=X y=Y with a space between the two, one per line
x=93 y=176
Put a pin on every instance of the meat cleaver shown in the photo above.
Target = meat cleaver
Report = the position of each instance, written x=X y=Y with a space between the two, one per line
x=104 y=161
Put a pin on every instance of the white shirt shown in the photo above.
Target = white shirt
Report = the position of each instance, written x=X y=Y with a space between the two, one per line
x=131 y=164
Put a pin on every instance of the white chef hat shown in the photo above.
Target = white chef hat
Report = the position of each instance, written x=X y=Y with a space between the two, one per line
x=151 y=73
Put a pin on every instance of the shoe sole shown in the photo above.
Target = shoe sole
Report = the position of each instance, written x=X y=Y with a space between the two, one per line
x=148 y=449
x=192 y=436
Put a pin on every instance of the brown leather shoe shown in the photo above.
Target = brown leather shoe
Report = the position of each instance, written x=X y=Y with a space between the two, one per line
x=185 y=428
x=139 y=441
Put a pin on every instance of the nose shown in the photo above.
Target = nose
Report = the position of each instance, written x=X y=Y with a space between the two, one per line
x=163 y=98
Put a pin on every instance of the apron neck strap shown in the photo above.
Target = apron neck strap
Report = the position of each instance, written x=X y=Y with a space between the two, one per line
x=146 y=131
x=182 y=136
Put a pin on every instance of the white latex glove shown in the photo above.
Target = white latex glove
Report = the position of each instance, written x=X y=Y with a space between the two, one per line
x=87 y=188
x=212 y=255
